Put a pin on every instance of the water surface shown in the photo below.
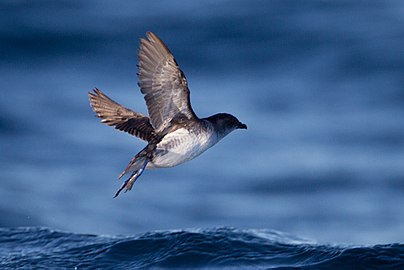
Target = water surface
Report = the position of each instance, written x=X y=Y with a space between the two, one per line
x=319 y=84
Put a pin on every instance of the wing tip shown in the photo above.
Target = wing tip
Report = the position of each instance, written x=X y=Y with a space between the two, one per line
x=95 y=92
x=150 y=34
x=156 y=42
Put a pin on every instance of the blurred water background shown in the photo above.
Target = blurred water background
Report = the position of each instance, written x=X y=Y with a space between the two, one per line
x=319 y=84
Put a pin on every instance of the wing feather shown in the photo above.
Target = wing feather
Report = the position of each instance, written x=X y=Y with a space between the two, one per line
x=163 y=84
x=114 y=114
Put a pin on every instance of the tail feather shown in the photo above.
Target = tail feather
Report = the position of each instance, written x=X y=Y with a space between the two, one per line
x=135 y=164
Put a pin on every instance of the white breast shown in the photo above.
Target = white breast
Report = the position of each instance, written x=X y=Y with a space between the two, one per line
x=180 y=146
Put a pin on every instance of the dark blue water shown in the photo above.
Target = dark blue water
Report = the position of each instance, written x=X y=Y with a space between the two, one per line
x=319 y=84
x=224 y=248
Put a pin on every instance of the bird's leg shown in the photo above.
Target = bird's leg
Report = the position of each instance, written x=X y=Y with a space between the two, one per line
x=134 y=177
x=129 y=183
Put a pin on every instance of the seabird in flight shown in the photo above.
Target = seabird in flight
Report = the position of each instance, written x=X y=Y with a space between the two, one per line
x=173 y=131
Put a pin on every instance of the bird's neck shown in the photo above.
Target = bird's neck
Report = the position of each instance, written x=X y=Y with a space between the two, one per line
x=216 y=129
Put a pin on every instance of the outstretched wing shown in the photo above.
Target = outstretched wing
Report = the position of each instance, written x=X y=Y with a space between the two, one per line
x=163 y=83
x=114 y=114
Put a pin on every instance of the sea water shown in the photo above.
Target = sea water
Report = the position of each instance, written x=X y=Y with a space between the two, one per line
x=319 y=84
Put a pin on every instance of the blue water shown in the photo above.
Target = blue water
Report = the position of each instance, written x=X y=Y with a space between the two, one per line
x=224 y=248
x=319 y=84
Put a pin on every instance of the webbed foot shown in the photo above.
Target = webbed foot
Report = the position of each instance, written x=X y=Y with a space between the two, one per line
x=132 y=179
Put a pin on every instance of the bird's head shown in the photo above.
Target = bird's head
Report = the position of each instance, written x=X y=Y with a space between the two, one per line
x=225 y=123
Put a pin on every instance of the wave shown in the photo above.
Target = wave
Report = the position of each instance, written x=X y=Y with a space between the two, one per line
x=224 y=248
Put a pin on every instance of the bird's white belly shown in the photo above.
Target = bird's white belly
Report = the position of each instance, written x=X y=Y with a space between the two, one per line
x=180 y=146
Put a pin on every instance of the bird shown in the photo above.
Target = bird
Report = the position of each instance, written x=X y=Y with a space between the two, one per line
x=173 y=132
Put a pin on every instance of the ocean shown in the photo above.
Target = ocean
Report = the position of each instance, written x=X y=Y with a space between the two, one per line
x=219 y=248
x=316 y=182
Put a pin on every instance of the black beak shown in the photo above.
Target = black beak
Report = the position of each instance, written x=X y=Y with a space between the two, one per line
x=242 y=126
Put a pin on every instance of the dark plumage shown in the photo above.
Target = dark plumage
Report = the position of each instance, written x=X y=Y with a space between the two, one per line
x=114 y=114
x=173 y=131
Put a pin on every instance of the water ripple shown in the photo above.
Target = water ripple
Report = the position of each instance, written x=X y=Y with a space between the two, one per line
x=223 y=248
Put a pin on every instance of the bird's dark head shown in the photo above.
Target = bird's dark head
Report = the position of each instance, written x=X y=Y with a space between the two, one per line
x=225 y=123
